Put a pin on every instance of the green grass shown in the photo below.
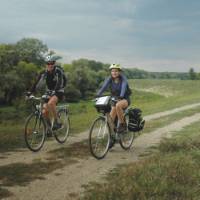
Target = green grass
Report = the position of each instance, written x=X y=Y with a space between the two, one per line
x=158 y=95
x=171 y=173
x=12 y=127
x=4 y=193
x=183 y=92
x=163 y=121
x=13 y=134
x=82 y=114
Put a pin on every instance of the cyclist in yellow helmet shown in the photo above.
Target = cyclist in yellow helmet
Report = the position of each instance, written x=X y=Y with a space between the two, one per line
x=118 y=84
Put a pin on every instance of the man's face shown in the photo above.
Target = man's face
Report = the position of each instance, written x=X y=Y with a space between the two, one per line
x=50 y=66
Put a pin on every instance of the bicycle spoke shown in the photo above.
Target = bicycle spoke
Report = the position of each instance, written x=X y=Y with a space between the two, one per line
x=34 y=133
x=62 y=133
x=99 y=138
x=127 y=138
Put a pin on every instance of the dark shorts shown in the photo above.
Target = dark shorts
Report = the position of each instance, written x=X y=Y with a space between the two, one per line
x=60 y=95
x=127 y=99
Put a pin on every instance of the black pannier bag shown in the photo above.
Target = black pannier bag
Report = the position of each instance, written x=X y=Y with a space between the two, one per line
x=136 y=122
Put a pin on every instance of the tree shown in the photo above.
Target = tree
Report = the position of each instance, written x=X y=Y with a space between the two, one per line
x=72 y=94
x=31 y=50
x=8 y=57
x=16 y=81
x=27 y=73
x=192 y=74
x=12 y=87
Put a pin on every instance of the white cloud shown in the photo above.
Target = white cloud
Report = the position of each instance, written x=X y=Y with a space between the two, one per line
x=152 y=34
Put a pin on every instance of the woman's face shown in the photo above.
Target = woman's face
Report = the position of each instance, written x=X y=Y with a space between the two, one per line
x=115 y=73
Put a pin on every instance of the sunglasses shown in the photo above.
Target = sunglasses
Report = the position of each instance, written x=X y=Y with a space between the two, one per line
x=50 y=63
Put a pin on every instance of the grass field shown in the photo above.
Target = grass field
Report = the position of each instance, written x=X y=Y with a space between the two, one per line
x=158 y=95
x=171 y=173
x=150 y=95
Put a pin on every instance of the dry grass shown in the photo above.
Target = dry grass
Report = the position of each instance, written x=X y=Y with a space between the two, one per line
x=171 y=173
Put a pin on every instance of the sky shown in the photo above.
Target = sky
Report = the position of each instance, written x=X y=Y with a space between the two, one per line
x=154 y=35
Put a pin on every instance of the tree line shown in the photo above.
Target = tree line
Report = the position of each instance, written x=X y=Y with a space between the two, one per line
x=193 y=75
x=21 y=62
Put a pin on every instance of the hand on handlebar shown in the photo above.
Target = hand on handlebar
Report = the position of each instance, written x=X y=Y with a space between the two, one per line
x=28 y=95
x=116 y=99
x=53 y=92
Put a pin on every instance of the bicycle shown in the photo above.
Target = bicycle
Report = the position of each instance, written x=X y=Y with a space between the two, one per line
x=37 y=126
x=103 y=132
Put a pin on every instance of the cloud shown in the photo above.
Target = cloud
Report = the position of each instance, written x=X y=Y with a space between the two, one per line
x=142 y=33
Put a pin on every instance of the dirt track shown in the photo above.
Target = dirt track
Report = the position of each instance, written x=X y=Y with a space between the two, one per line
x=66 y=181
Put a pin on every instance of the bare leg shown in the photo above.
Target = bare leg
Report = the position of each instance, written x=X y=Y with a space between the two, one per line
x=45 y=111
x=112 y=117
x=113 y=113
x=120 y=106
x=52 y=105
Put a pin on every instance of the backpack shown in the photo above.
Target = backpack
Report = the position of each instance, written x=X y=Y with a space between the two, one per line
x=129 y=91
x=136 y=122
x=63 y=75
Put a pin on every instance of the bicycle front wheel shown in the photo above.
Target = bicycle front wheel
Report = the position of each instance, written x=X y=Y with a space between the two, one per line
x=99 y=138
x=62 y=133
x=126 y=139
x=34 y=132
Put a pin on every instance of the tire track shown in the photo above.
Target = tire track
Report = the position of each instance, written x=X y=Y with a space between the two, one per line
x=68 y=185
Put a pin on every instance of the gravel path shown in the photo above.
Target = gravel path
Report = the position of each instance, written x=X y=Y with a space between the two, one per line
x=67 y=182
x=26 y=156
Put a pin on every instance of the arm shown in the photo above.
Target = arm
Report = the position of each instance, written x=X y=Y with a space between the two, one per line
x=124 y=86
x=59 y=78
x=33 y=88
x=104 y=86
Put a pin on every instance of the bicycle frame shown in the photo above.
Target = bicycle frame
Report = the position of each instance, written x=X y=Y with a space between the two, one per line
x=113 y=125
x=39 y=107
x=37 y=127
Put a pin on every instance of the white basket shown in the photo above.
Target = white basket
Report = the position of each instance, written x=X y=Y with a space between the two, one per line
x=103 y=101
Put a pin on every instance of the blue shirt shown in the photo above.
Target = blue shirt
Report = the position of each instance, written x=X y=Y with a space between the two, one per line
x=118 y=89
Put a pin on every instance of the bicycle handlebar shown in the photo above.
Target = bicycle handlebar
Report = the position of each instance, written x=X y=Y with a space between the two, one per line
x=113 y=99
x=32 y=97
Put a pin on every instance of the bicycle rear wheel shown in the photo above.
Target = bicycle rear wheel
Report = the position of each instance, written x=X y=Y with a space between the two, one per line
x=126 y=139
x=62 y=133
x=99 y=138
x=34 y=132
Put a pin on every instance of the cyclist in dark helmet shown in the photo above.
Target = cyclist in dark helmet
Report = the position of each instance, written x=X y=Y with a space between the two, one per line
x=118 y=84
x=55 y=80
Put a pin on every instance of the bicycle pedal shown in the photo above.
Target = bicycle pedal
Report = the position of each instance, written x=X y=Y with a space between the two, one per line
x=49 y=134
x=111 y=144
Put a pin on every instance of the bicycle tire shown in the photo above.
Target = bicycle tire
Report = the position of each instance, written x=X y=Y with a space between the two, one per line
x=103 y=132
x=62 y=134
x=126 y=139
x=32 y=131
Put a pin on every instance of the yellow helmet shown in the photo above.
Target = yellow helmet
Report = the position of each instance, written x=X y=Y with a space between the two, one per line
x=115 y=66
